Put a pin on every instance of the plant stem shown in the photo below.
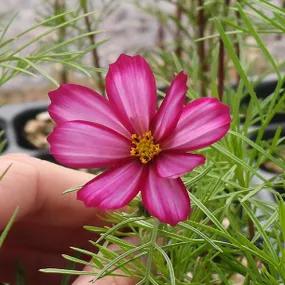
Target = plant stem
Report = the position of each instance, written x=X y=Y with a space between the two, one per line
x=251 y=229
x=237 y=47
x=152 y=242
x=221 y=70
x=160 y=36
x=160 y=33
x=201 y=22
x=178 y=38
x=221 y=65
x=59 y=7
x=92 y=39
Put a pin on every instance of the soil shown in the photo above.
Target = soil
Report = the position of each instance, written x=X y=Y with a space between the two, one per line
x=37 y=130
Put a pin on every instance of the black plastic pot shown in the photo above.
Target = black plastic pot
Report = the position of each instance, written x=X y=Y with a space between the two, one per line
x=19 y=123
x=268 y=135
x=270 y=132
x=46 y=156
x=264 y=89
x=13 y=119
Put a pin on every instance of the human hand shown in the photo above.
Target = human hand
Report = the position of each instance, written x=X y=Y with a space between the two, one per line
x=47 y=223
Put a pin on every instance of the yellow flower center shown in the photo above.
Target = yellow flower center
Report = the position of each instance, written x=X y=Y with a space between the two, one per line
x=144 y=147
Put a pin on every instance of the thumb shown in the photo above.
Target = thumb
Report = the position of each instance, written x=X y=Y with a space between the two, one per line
x=108 y=280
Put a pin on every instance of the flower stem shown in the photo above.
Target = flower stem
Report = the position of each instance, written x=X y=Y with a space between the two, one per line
x=151 y=249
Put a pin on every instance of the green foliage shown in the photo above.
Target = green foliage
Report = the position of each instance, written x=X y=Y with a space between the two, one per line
x=33 y=56
x=6 y=230
x=232 y=230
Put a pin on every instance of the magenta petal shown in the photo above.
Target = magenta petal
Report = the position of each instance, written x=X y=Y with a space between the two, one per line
x=173 y=165
x=170 y=110
x=166 y=199
x=131 y=88
x=72 y=102
x=202 y=122
x=84 y=144
x=114 y=188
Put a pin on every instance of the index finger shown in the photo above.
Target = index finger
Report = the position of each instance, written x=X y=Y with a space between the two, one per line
x=36 y=186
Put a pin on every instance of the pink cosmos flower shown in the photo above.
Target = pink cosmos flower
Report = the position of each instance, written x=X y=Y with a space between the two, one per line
x=144 y=148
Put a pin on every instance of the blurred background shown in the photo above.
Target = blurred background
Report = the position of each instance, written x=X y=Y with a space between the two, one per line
x=128 y=26
x=45 y=43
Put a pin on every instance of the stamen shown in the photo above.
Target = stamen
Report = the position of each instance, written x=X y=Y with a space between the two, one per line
x=144 y=147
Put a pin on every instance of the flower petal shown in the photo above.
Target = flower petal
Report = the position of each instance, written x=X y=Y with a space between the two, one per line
x=203 y=122
x=114 y=188
x=170 y=110
x=85 y=144
x=131 y=88
x=173 y=165
x=166 y=199
x=74 y=102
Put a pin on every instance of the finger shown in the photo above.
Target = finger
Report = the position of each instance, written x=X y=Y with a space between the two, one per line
x=108 y=280
x=36 y=186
